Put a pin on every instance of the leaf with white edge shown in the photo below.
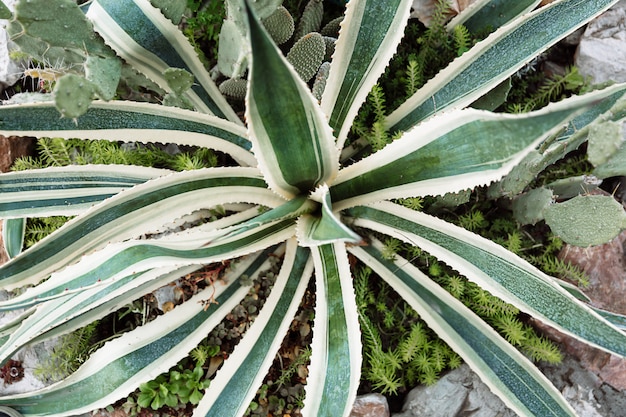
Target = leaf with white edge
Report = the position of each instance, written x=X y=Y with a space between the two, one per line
x=117 y=369
x=335 y=368
x=130 y=122
x=494 y=59
x=586 y=220
x=151 y=43
x=506 y=371
x=119 y=260
x=236 y=383
x=144 y=208
x=13 y=236
x=370 y=33
x=488 y=15
x=290 y=135
x=454 y=151
x=324 y=227
x=67 y=191
x=495 y=269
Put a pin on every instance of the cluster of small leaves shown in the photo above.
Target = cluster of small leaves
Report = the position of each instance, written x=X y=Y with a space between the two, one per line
x=69 y=353
x=202 y=28
x=399 y=350
x=62 y=152
x=179 y=387
x=535 y=90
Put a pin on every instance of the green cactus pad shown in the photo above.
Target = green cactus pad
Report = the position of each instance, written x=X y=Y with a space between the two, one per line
x=5 y=13
x=586 y=220
x=178 y=80
x=528 y=208
x=105 y=74
x=264 y=8
x=234 y=88
x=73 y=95
x=232 y=57
x=280 y=25
x=330 y=47
x=311 y=19
x=307 y=55
x=332 y=28
x=172 y=9
x=604 y=140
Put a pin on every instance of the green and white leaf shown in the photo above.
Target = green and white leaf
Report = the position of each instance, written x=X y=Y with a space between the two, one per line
x=494 y=59
x=291 y=137
x=151 y=43
x=336 y=347
x=370 y=33
x=507 y=372
x=13 y=231
x=494 y=269
x=236 y=383
x=485 y=15
x=67 y=191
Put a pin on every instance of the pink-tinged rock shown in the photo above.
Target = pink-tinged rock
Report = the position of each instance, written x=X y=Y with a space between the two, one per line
x=370 y=405
x=12 y=148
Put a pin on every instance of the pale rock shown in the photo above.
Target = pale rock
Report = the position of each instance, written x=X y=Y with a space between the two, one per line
x=460 y=392
x=10 y=71
x=424 y=9
x=370 y=405
x=601 y=52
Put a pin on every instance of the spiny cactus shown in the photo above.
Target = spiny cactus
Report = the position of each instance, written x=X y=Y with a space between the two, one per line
x=319 y=85
x=311 y=19
x=280 y=25
x=67 y=37
x=332 y=28
x=234 y=88
x=307 y=55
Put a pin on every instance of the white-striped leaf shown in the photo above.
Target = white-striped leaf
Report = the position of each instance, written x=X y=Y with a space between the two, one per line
x=66 y=191
x=489 y=15
x=144 y=208
x=370 y=33
x=496 y=270
x=13 y=236
x=454 y=151
x=151 y=43
x=290 y=135
x=236 y=383
x=117 y=369
x=507 y=372
x=496 y=58
x=335 y=368
x=129 y=122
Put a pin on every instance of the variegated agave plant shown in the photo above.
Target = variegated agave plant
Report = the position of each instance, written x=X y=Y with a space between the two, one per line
x=293 y=190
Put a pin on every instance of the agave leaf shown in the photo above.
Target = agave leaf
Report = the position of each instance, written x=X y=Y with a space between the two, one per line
x=496 y=58
x=129 y=122
x=13 y=236
x=371 y=31
x=335 y=359
x=151 y=43
x=236 y=383
x=66 y=191
x=452 y=152
x=507 y=372
x=290 y=135
x=117 y=261
x=489 y=15
x=146 y=207
x=496 y=270
x=115 y=370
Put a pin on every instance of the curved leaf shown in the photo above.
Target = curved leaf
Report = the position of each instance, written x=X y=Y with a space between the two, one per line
x=496 y=58
x=290 y=135
x=496 y=270
x=507 y=372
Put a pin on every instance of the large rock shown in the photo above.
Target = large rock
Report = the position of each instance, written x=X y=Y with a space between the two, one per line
x=459 y=393
x=601 y=53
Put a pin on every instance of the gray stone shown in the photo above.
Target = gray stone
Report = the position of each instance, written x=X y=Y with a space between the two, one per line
x=460 y=392
x=601 y=52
